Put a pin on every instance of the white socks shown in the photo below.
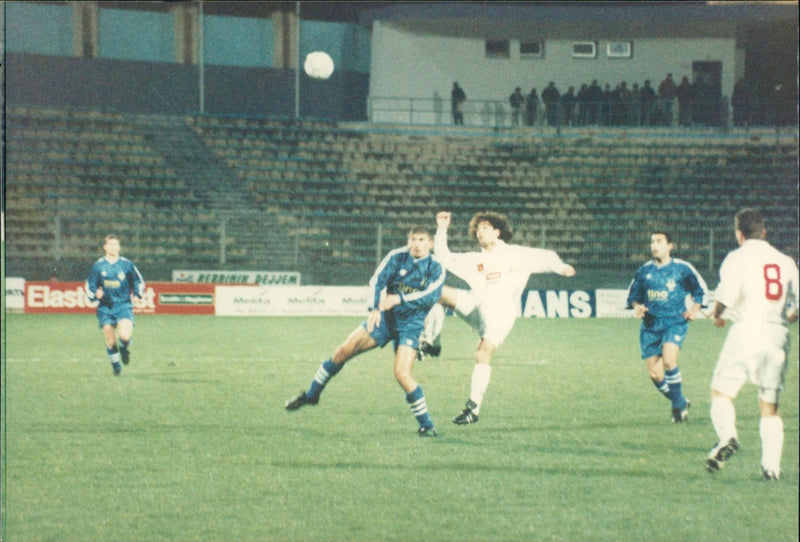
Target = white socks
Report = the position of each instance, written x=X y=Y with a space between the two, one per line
x=434 y=323
x=771 y=431
x=481 y=375
x=723 y=418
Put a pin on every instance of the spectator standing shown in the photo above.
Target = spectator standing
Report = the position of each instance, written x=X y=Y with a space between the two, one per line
x=583 y=105
x=594 y=97
x=666 y=95
x=551 y=98
x=606 y=105
x=740 y=101
x=684 y=94
x=636 y=106
x=516 y=100
x=457 y=99
x=648 y=103
x=531 y=107
x=625 y=104
x=568 y=101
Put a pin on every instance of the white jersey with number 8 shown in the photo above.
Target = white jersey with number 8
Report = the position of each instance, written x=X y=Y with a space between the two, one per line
x=758 y=283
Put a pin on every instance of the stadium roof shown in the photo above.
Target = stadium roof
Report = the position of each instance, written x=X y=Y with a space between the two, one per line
x=540 y=19
x=501 y=12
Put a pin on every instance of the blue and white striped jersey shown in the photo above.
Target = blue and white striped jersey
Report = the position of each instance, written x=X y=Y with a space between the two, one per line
x=417 y=282
x=119 y=280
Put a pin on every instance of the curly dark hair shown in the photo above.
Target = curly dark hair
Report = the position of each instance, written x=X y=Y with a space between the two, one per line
x=498 y=221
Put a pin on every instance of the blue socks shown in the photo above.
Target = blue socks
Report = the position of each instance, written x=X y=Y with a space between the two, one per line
x=326 y=371
x=663 y=387
x=671 y=386
x=674 y=382
x=416 y=402
x=113 y=354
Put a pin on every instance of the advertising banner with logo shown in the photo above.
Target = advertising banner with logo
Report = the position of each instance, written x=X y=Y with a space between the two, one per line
x=159 y=298
x=264 y=278
x=292 y=301
x=558 y=304
x=15 y=293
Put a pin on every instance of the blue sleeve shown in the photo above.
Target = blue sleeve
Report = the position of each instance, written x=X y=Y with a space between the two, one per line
x=92 y=282
x=138 y=281
x=696 y=286
x=385 y=270
x=635 y=291
x=427 y=298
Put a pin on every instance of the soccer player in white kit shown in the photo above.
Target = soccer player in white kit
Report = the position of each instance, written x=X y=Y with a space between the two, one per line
x=758 y=292
x=496 y=277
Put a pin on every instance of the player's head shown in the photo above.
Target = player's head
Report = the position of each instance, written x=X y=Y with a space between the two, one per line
x=498 y=222
x=661 y=245
x=750 y=224
x=111 y=245
x=420 y=241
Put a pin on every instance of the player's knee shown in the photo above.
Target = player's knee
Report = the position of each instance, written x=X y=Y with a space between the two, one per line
x=403 y=377
x=341 y=354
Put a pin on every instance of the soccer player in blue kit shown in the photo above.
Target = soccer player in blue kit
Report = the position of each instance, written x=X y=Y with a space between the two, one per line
x=404 y=287
x=114 y=281
x=658 y=295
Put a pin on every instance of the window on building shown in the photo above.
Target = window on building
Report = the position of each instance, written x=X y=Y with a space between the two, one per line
x=584 y=49
x=498 y=48
x=619 y=49
x=531 y=49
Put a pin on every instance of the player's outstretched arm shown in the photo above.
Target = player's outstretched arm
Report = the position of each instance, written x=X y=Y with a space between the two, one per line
x=443 y=220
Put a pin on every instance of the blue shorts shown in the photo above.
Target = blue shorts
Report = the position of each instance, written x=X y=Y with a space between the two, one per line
x=110 y=316
x=653 y=338
x=405 y=332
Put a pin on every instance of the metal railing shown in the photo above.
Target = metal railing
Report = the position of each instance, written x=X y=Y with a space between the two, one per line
x=496 y=114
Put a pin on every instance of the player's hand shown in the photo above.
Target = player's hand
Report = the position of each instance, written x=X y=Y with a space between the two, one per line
x=639 y=311
x=568 y=271
x=389 y=302
x=719 y=322
x=443 y=220
x=373 y=320
x=99 y=293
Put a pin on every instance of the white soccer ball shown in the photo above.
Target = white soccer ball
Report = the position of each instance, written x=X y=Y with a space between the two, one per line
x=318 y=65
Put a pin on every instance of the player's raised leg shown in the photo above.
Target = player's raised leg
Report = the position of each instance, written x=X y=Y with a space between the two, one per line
x=430 y=342
x=358 y=341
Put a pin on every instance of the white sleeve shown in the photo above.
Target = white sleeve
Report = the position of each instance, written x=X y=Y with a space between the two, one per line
x=541 y=260
x=458 y=264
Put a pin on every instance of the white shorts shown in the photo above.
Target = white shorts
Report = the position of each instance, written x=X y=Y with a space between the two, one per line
x=492 y=321
x=755 y=353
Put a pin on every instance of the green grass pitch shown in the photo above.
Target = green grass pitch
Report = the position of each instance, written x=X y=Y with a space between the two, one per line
x=192 y=442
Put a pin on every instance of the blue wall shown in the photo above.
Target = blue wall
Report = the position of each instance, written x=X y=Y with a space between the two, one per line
x=137 y=70
x=136 y=35
x=237 y=41
x=149 y=36
x=348 y=45
x=38 y=28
